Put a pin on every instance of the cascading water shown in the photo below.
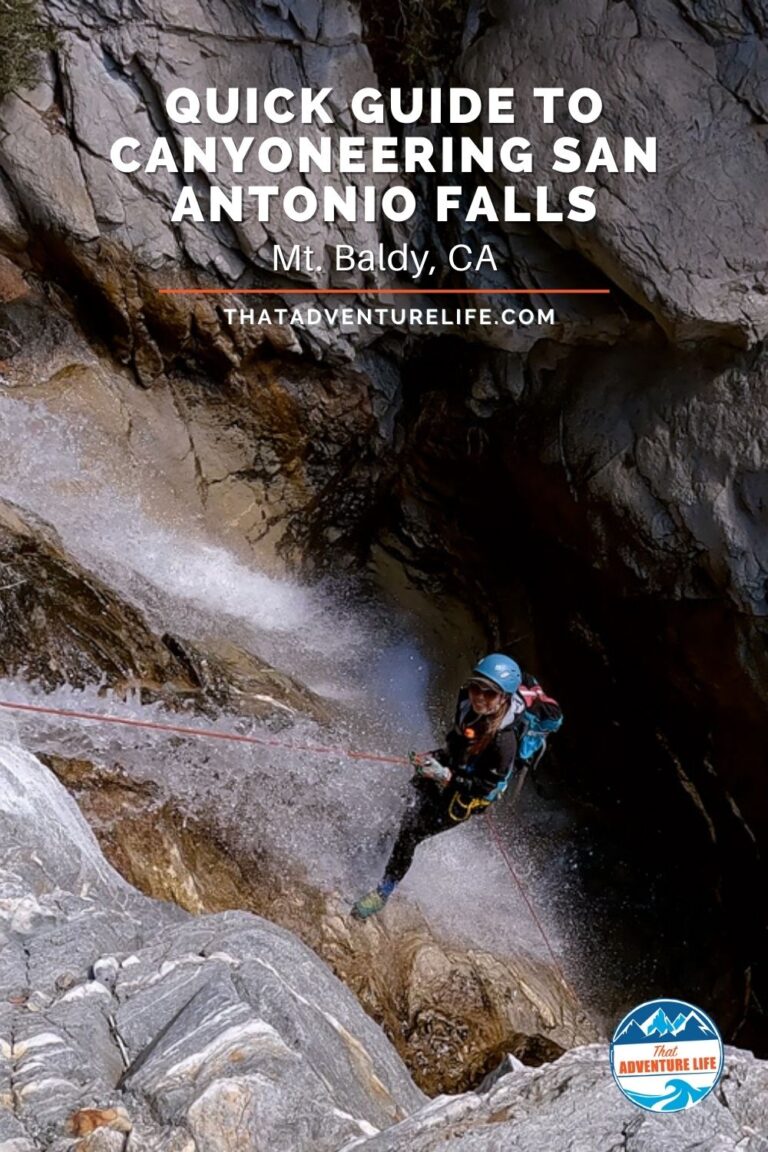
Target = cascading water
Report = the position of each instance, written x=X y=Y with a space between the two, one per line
x=144 y=534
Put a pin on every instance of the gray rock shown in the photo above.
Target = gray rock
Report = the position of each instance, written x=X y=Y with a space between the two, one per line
x=46 y=848
x=105 y=1140
x=224 y=1026
x=12 y=1138
x=689 y=242
x=106 y=969
x=37 y=636
x=680 y=453
x=575 y=1104
x=44 y=169
x=13 y=963
x=103 y=107
x=13 y=234
x=248 y=1113
x=61 y=1062
x=225 y=1034
x=509 y=1064
x=247 y=972
x=115 y=83
x=240 y=1084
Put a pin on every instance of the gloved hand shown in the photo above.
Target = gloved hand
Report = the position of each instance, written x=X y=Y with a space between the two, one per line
x=428 y=768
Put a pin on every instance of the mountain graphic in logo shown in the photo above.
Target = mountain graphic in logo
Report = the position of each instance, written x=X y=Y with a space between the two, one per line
x=631 y=1033
x=658 y=1026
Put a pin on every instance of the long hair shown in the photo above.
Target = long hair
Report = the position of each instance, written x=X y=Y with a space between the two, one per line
x=487 y=726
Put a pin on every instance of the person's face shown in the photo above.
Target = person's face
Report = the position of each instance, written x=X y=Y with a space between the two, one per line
x=484 y=701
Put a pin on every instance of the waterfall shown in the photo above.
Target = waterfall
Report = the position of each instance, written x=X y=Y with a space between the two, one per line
x=143 y=531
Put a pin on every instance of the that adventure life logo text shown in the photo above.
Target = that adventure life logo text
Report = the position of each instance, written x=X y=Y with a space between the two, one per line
x=666 y=1055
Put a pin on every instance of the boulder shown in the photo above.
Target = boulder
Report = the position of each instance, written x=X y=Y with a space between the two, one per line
x=225 y=1027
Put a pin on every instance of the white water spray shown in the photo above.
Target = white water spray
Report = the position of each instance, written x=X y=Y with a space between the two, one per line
x=337 y=818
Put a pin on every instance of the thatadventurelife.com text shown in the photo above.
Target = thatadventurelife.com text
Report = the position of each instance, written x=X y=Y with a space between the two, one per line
x=393 y=315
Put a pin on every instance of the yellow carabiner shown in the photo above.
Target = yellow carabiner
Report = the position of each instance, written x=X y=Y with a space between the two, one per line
x=459 y=811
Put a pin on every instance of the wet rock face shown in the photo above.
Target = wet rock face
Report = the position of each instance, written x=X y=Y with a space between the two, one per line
x=281 y=456
x=289 y=451
x=60 y=624
x=453 y=1013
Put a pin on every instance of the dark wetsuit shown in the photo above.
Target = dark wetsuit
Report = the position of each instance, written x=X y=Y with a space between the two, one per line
x=476 y=782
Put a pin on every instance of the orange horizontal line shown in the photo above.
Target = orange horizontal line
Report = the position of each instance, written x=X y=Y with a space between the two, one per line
x=385 y=291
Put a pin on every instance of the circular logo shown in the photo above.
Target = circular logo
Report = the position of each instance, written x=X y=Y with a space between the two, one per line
x=666 y=1055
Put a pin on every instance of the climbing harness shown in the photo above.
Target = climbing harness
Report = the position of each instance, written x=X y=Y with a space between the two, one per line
x=460 y=810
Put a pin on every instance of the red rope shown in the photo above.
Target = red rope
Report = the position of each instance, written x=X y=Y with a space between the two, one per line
x=510 y=866
x=209 y=733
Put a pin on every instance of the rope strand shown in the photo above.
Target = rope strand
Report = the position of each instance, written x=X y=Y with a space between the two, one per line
x=273 y=742
x=505 y=856
x=209 y=733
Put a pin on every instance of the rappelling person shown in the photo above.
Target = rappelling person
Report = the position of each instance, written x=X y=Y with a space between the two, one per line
x=503 y=718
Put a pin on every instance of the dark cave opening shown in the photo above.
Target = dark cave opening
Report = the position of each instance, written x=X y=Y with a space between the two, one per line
x=658 y=771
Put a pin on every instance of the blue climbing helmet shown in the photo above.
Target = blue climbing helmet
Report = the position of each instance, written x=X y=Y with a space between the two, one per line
x=501 y=670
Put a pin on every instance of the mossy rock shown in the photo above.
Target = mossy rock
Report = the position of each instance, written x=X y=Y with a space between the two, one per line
x=23 y=36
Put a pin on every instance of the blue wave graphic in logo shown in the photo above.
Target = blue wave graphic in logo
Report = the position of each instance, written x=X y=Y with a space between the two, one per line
x=678 y=1094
